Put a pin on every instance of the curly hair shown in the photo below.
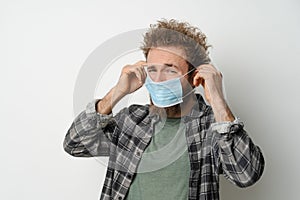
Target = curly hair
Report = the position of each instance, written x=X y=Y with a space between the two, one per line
x=179 y=34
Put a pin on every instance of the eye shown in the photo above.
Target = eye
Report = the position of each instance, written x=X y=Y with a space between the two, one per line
x=171 y=70
x=151 y=70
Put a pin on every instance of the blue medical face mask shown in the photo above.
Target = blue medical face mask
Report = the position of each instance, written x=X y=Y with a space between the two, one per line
x=166 y=93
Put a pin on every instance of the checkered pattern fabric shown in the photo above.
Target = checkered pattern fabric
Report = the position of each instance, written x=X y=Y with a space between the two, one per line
x=125 y=136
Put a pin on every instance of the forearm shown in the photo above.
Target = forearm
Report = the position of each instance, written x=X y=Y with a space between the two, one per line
x=105 y=105
x=221 y=110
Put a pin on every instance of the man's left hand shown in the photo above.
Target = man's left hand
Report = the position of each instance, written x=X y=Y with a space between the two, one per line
x=211 y=80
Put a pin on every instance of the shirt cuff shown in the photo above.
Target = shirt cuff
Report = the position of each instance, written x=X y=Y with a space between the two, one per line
x=91 y=108
x=227 y=127
x=91 y=112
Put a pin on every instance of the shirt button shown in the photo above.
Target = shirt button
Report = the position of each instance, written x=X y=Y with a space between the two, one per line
x=138 y=153
x=129 y=176
x=119 y=198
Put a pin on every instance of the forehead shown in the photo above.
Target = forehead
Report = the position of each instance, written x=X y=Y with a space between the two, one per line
x=168 y=55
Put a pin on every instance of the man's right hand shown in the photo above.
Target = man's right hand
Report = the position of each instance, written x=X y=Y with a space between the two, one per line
x=131 y=79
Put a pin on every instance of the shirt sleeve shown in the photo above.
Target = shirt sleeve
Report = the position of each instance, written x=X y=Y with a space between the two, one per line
x=90 y=133
x=239 y=159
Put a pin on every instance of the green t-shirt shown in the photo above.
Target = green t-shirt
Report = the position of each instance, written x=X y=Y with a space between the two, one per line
x=165 y=168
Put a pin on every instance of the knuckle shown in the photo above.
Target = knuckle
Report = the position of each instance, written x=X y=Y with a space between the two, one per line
x=126 y=67
x=215 y=73
x=140 y=62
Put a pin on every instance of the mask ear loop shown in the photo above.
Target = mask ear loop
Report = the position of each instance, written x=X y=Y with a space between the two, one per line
x=189 y=72
x=194 y=89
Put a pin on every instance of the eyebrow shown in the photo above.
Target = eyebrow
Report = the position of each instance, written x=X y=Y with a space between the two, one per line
x=165 y=65
x=171 y=65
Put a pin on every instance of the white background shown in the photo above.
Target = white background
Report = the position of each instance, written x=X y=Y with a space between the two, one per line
x=43 y=45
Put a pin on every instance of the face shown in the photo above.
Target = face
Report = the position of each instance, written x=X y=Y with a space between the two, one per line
x=166 y=63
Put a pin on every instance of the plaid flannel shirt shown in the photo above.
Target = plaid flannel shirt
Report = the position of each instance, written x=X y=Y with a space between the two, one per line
x=213 y=148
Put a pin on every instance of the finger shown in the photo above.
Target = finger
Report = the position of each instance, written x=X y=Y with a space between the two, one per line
x=209 y=73
x=140 y=63
x=206 y=66
x=198 y=79
x=204 y=74
x=214 y=69
x=206 y=69
x=144 y=73
x=141 y=72
x=209 y=69
x=138 y=74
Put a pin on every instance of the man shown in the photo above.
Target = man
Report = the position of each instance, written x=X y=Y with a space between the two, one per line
x=201 y=141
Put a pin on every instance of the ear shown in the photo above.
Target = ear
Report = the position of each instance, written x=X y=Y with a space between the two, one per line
x=191 y=78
